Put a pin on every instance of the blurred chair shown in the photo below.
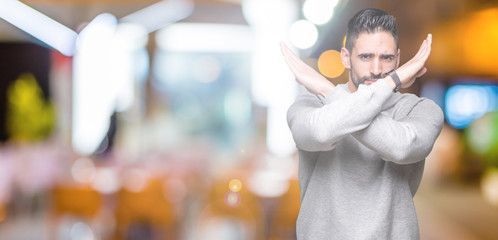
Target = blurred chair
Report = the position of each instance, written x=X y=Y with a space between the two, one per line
x=230 y=214
x=73 y=203
x=77 y=200
x=144 y=214
x=283 y=225
x=3 y=212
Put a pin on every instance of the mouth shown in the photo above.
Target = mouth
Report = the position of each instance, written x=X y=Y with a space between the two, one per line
x=370 y=81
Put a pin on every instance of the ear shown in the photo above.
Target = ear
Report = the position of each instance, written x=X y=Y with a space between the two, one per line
x=397 y=62
x=346 y=58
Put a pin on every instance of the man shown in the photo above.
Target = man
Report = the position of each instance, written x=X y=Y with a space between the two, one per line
x=362 y=145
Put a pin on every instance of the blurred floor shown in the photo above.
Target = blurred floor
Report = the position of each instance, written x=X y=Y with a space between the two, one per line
x=24 y=228
x=456 y=212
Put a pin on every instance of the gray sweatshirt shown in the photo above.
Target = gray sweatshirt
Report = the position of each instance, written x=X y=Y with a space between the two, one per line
x=361 y=158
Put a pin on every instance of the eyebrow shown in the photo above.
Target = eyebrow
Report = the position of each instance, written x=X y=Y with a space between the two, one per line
x=388 y=55
x=366 y=54
x=372 y=54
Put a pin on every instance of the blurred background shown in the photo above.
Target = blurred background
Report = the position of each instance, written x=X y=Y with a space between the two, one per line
x=147 y=119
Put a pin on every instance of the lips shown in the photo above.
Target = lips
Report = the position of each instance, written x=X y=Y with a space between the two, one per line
x=370 y=81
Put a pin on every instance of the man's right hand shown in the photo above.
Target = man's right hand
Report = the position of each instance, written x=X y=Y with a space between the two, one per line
x=306 y=75
x=415 y=67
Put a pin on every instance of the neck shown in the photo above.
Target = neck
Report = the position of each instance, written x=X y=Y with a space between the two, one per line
x=351 y=86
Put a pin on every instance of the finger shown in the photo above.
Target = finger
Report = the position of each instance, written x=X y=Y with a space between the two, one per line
x=297 y=66
x=285 y=50
x=282 y=46
x=429 y=42
x=421 y=72
x=427 y=49
x=421 y=50
x=294 y=62
x=289 y=57
x=424 y=50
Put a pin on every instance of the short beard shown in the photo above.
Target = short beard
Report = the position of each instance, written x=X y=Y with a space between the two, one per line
x=362 y=80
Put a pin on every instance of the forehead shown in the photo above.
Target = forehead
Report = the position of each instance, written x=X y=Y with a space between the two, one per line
x=380 y=42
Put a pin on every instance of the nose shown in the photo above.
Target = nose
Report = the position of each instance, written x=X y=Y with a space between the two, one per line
x=376 y=67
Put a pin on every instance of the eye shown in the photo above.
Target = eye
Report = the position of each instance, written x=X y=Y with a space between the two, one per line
x=387 y=57
x=365 y=56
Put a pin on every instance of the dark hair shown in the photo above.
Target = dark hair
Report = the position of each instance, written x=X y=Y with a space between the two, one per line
x=370 y=20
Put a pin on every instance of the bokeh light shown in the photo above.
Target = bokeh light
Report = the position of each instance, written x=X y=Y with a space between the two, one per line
x=135 y=180
x=81 y=231
x=95 y=87
x=205 y=37
x=235 y=185
x=39 y=25
x=206 y=69
x=319 y=11
x=481 y=134
x=489 y=186
x=465 y=103
x=232 y=199
x=303 y=34
x=330 y=64
x=83 y=170
x=106 y=180
x=268 y=14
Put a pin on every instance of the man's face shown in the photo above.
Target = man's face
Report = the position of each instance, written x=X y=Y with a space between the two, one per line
x=373 y=55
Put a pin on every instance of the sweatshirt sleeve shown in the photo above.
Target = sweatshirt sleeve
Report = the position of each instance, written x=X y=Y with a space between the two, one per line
x=317 y=124
x=408 y=139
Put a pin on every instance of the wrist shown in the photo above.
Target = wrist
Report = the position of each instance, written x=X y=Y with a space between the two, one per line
x=395 y=81
x=390 y=81
x=326 y=90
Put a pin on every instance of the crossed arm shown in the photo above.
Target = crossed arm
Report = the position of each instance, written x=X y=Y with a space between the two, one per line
x=318 y=125
x=318 y=84
x=407 y=139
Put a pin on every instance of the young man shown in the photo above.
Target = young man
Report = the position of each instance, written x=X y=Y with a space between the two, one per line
x=362 y=145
